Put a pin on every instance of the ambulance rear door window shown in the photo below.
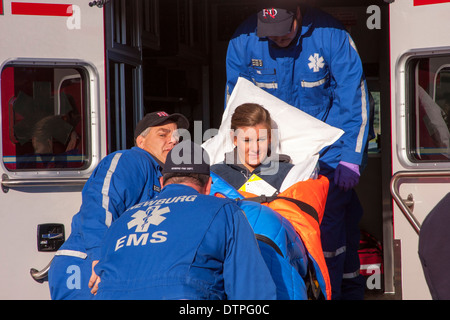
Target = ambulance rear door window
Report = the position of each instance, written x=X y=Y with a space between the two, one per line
x=429 y=109
x=44 y=117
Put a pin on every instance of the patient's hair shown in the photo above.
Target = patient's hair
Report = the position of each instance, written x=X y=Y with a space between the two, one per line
x=249 y=115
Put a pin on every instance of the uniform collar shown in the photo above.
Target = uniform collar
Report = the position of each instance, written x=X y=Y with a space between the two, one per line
x=306 y=24
x=307 y=20
x=179 y=188
x=156 y=163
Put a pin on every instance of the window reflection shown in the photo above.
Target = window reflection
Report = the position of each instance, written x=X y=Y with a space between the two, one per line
x=44 y=118
x=429 y=109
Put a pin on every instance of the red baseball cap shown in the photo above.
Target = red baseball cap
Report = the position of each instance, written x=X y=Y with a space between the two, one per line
x=154 y=119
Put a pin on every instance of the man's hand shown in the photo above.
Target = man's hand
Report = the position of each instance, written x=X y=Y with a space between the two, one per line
x=94 y=280
x=346 y=175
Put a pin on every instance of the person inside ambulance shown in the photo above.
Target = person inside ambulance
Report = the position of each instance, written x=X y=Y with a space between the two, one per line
x=306 y=58
x=252 y=157
x=53 y=128
x=53 y=139
x=184 y=243
x=121 y=180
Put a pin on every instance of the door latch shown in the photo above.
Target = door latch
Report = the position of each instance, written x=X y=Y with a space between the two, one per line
x=409 y=202
x=50 y=236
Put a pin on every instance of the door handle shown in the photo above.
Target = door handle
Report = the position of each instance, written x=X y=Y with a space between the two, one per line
x=409 y=202
x=42 y=275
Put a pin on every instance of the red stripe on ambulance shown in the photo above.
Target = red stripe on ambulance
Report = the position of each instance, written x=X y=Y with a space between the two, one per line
x=41 y=9
x=427 y=2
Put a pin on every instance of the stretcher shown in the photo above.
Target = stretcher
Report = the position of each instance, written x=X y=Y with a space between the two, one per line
x=287 y=224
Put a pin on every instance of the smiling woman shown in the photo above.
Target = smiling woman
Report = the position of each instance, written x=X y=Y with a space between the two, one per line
x=252 y=145
x=251 y=132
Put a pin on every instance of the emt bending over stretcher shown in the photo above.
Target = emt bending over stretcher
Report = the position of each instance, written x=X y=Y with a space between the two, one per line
x=121 y=180
x=183 y=244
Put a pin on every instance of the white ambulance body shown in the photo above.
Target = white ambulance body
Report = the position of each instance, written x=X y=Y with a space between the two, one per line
x=88 y=70
x=420 y=74
x=45 y=59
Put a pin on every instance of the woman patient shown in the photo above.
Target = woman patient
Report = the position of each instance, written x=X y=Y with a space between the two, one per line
x=251 y=132
x=255 y=140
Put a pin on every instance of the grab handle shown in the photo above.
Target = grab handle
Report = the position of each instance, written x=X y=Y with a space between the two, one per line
x=42 y=275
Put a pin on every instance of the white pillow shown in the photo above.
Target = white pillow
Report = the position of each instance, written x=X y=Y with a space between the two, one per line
x=300 y=135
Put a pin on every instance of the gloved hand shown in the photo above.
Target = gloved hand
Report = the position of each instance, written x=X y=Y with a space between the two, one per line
x=346 y=175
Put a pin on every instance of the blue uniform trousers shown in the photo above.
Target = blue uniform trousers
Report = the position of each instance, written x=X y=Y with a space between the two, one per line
x=340 y=236
x=69 y=277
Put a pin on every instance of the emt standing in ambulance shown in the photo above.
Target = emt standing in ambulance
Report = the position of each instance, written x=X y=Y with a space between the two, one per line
x=184 y=243
x=307 y=59
x=120 y=180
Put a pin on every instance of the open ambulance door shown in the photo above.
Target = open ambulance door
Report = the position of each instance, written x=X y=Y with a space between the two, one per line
x=52 y=118
x=420 y=112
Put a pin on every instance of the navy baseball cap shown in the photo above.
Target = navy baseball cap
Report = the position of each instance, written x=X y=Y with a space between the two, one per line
x=187 y=157
x=276 y=20
x=154 y=119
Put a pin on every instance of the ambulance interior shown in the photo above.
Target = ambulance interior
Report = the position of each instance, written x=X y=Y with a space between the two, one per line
x=184 y=71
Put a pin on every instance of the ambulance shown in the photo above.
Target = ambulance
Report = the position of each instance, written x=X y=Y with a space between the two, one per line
x=87 y=71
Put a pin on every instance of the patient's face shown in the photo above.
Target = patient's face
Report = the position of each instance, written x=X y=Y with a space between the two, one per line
x=252 y=144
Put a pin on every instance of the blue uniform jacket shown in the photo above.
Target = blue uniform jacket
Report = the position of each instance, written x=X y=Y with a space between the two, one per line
x=320 y=73
x=120 y=180
x=183 y=245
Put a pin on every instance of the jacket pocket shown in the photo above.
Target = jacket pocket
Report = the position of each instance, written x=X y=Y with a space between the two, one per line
x=314 y=84
x=265 y=78
x=314 y=94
